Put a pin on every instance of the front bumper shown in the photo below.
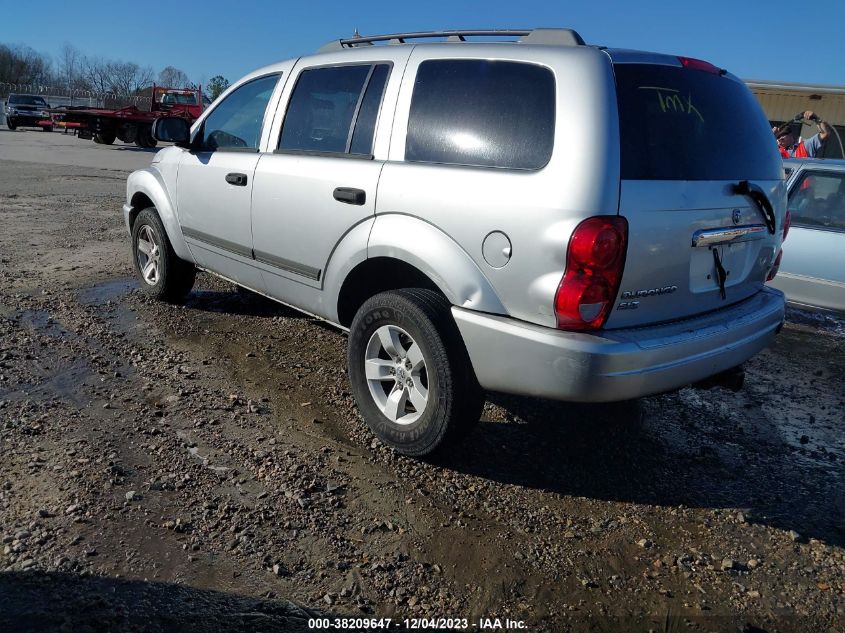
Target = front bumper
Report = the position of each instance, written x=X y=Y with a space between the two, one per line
x=27 y=120
x=517 y=357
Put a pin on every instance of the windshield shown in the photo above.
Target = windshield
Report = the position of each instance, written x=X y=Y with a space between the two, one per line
x=27 y=100
x=178 y=98
x=684 y=124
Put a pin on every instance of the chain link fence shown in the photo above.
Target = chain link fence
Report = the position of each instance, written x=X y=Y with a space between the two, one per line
x=64 y=96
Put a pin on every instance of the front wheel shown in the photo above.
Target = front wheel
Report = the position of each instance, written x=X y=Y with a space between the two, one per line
x=410 y=373
x=10 y=124
x=163 y=275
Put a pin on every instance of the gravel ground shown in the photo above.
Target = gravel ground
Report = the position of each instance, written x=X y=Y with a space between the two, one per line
x=203 y=467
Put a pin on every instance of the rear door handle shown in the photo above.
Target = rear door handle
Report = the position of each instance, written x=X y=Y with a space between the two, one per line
x=239 y=180
x=350 y=195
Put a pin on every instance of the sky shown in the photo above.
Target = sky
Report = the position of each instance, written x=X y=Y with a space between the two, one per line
x=776 y=40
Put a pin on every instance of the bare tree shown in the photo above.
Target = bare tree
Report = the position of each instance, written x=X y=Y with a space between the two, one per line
x=128 y=77
x=118 y=77
x=22 y=65
x=70 y=67
x=97 y=73
x=172 y=78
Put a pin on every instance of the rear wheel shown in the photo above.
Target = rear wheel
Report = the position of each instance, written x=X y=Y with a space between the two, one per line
x=104 y=138
x=145 y=138
x=163 y=275
x=410 y=373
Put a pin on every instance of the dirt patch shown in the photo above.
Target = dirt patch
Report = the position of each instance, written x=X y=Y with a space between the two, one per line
x=208 y=459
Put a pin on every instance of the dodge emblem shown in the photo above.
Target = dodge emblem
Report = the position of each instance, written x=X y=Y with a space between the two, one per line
x=736 y=216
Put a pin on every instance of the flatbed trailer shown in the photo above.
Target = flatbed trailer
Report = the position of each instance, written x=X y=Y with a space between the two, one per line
x=131 y=124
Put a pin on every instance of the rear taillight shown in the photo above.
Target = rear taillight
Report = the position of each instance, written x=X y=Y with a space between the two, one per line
x=700 y=64
x=594 y=263
x=775 y=267
x=787 y=222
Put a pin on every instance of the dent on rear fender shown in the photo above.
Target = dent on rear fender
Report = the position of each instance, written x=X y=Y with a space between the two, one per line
x=438 y=256
x=150 y=182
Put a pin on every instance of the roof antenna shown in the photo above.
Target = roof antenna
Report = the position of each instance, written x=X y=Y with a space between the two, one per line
x=356 y=33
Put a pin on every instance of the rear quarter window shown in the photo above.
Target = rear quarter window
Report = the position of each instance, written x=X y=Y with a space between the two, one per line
x=482 y=113
x=687 y=124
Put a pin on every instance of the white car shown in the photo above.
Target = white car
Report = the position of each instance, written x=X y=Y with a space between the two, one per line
x=812 y=271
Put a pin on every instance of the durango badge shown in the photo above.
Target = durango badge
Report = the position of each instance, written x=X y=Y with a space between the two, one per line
x=651 y=292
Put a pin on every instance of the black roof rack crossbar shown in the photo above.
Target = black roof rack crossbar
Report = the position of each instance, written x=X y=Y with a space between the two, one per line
x=565 y=37
x=401 y=37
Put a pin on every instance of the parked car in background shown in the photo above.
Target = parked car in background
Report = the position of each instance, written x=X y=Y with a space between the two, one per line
x=28 y=111
x=812 y=271
x=426 y=197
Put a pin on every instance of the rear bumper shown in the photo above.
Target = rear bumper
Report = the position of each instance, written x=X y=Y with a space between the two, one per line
x=517 y=357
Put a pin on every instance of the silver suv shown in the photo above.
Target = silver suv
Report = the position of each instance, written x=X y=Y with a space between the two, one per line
x=534 y=216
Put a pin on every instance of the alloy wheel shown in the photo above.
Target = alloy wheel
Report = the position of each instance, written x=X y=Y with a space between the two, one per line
x=396 y=374
x=148 y=253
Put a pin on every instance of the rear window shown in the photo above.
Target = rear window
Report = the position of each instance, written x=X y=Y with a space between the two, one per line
x=685 y=124
x=482 y=113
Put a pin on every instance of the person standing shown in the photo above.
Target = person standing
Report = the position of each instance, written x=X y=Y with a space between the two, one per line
x=791 y=148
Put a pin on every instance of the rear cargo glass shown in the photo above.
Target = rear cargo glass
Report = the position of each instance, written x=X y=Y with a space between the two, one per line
x=685 y=124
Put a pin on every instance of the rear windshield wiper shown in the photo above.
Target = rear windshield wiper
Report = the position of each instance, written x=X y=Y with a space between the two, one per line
x=758 y=197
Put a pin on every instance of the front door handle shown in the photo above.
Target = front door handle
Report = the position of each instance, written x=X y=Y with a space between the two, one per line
x=350 y=195
x=239 y=180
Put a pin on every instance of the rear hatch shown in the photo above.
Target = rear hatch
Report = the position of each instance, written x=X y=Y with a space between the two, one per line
x=699 y=239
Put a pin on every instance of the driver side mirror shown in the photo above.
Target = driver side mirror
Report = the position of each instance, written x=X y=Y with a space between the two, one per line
x=171 y=129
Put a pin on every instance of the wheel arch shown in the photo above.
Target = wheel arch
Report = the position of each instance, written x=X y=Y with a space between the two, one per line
x=146 y=189
x=431 y=259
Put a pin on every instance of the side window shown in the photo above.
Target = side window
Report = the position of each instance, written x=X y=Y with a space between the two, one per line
x=818 y=200
x=235 y=124
x=334 y=110
x=482 y=113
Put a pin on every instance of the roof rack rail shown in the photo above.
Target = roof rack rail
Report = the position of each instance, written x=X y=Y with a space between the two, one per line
x=553 y=37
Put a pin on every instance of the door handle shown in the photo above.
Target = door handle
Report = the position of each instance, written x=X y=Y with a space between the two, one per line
x=350 y=195
x=239 y=180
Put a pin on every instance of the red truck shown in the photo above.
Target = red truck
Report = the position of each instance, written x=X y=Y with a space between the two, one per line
x=130 y=124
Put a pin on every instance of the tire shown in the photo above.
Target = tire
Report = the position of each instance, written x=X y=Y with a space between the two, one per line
x=162 y=274
x=47 y=128
x=10 y=124
x=442 y=401
x=145 y=138
x=104 y=138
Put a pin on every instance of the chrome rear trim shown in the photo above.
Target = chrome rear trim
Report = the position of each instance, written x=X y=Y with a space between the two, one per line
x=709 y=237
